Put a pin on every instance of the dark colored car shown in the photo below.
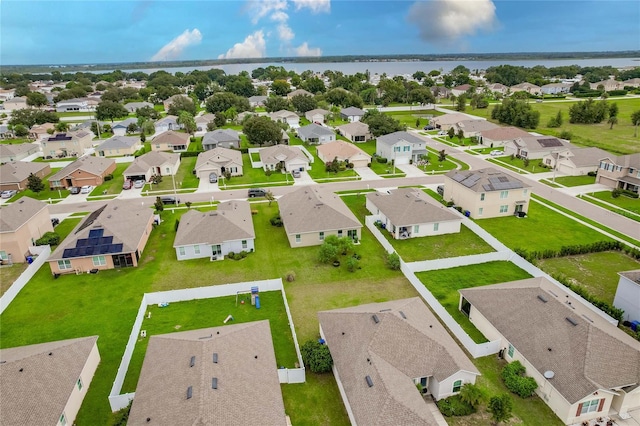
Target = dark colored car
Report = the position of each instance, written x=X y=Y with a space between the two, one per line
x=429 y=128
x=74 y=190
x=170 y=200
x=257 y=192
x=440 y=190
x=55 y=221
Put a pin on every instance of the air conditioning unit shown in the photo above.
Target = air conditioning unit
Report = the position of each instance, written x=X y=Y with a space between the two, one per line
x=214 y=257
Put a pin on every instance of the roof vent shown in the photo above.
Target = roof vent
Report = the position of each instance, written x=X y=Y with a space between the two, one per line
x=215 y=358
x=369 y=381
x=571 y=321
x=542 y=298
x=549 y=374
x=375 y=318
x=193 y=361
x=403 y=315
x=189 y=392
x=214 y=383
x=385 y=310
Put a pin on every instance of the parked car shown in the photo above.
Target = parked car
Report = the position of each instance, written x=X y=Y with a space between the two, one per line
x=429 y=127
x=138 y=184
x=127 y=184
x=9 y=193
x=55 y=221
x=296 y=173
x=257 y=192
x=213 y=178
x=496 y=152
x=74 y=190
x=440 y=190
x=86 y=189
x=170 y=200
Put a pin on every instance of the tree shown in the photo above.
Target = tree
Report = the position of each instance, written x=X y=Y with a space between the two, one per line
x=182 y=103
x=316 y=356
x=611 y=121
x=314 y=85
x=451 y=132
x=328 y=252
x=460 y=135
x=635 y=120
x=222 y=101
x=461 y=103
x=270 y=197
x=613 y=110
x=220 y=119
x=36 y=99
x=516 y=112
x=304 y=103
x=29 y=117
x=34 y=183
x=500 y=408
x=280 y=87
x=261 y=130
x=276 y=103
x=381 y=124
x=132 y=128
x=211 y=126
x=186 y=120
x=147 y=112
x=393 y=261
x=20 y=130
x=62 y=126
x=159 y=205
x=109 y=110
x=442 y=156
x=471 y=394
x=588 y=112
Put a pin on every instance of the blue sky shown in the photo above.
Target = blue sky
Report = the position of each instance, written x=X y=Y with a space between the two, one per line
x=95 y=31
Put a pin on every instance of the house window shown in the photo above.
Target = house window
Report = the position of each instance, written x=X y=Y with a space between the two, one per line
x=63 y=420
x=321 y=236
x=196 y=249
x=396 y=149
x=523 y=153
x=504 y=208
x=3 y=255
x=589 y=406
x=339 y=233
x=167 y=170
x=181 y=251
x=480 y=210
x=511 y=350
x=436 y=226
x=298 y=239
x=482 y=197
x=99 y=260
x=157 y=146
x=64 y=264
x=406 y=148
x=457 y=385
x=416 y=229
x=524 y=192
x=504 y=194
x=79 y=384
x=244 y=244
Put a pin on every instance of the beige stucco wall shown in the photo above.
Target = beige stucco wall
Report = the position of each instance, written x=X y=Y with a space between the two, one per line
x=313 y=238
x=77 y=395
x=444 y=388
x=118 y=152
x=17 y=243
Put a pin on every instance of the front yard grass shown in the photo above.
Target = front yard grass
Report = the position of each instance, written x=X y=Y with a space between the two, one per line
x=541 y=229
x=624 y=202
x=533 y=167
x=318 y=170
x=386 y=169
x=184 y=178
x=46 y=194
x=596 y=272
x=575 y=180
x=113 y=186
x=255 y=177
x=445 y=283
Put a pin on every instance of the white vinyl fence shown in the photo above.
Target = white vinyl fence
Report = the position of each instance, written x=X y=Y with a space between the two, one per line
x=24 y=278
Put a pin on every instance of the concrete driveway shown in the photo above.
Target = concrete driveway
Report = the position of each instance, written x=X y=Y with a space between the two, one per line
x=304 y=179
x=367 y=174
x=410 y=170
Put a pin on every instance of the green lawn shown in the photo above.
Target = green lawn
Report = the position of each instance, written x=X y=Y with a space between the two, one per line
x=8 y=274
x=45 y=194
x=541 y=229
x=195 y=146
x=624 y=202
x=386 y=170
x=319 y=172
x=409 y=118
x=550 y=183
x=596 y=272
x=203 y=313
x=184 y=178
x=484 y=151
x=256 y=177
x=445 y=283
x=576 y=180
x=113 y=186
x=533 y=167
x=326 y=407
x=15 y=141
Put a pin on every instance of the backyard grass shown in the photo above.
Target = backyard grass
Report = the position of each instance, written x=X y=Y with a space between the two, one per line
x=46 y=194
x=409 y=118
x=541 y=229
x=576 y=180
x=533 y=167
x=65 y=227
x=326 y=408
x=8 y=274
x=113 y=186
x=15 y=141
x=596 y=272
x=445 y=283
x=184 y=177
x=463 y=243
x=255 y=177
x=204 y=313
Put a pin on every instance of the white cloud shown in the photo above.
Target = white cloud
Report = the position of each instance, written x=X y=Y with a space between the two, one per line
x=285 y=33
x=279 y=16
x=305 y=50
x=448 y=20
x=174 y=48
x=254 y=46
x=316 y=6
x=261 y=8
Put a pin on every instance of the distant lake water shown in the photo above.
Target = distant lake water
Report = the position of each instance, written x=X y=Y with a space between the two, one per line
x=399 y=68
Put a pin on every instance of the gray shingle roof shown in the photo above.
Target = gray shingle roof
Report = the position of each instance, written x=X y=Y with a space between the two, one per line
x=504 y=133
x=585 y=357
x=450 y=118
x=476 y=125
x=230 y=222
x=221 y=156
x=7 y=150
x=408 y=206
x=248 y=390
x=119 y=142
x=311 y=209
x=18 y=171
x=632 y=275
x=486 y=180
x=151 y=159
x=314 y=130
x=38 y=394
x=220 y=135
x=94 y=165
x=352 y=111
x=16 y=214
x=125 y=123
x=276 y=153
x=585 y=157
x=354 y=128
x=341 y=150
x=395 y=137
x=392 y=352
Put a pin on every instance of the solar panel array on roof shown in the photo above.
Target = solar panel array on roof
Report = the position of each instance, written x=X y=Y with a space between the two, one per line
x=91 y=218
x=96 y=233
x=548 y=143
x=458 y=177
x=498 y=184
x=471 y=180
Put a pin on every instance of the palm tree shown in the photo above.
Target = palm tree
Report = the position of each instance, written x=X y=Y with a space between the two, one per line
x=635 y=120
x=612 y=120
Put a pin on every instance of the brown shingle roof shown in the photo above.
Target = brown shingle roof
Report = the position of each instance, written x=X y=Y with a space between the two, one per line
x=312 y=210
x=408 y=342
x=219 y=155
x=276 y=153
x=408 y=206
x=18 y=171
x=38 y=394
x=632 y=275
x=15 y=149
x=341 y=150
x=16 y=214
x=248 y=389
x=93 y=165
x=584 y=157
x=591 y=355
x=172 y=138
x=504 y=133
x=230 y=222
x=151 y=159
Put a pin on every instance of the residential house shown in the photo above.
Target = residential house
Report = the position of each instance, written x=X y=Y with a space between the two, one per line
x=154 y=163
x=388 y=356
x=621 y=172
x=499 y=136
x=219 y=161
x=121 y=128
x=498 y=88
x=486 y=192
x=74 y=105
x=14 y=175
x=171 y=141
x=17 y=152
x=284 y=158
x=632 y=82
x=284 y=116
x=6 y=132
x=13 y=104
x=401 y=147
x=168 y=102
x=443 y=122
x=531 y=89
x=67 y=144
x=316 y=115
x=356 y=131
x=168 y=122
x=352 y=114
x=440 y=92
x=298 y=92
x=84 y=171
x=257 y=101
x=556 y=88
x=113 y=236
x=118 y=146
x=220 y=375
x=134 y=106
x=343 y=151
x=473 y=128
x=310 y=214
x=7 y=94
x=223 y=138
x=585 y=367
x=45 y=384
x=315 y=134
x=285 y=138
x=21 y=224
x=216 y=233
x=575 y=161
x=203 y=120
x=607 y=85
x=461 y=90
x=535 y=147
x=39 y=131
x=410 y=213
x=627 y=295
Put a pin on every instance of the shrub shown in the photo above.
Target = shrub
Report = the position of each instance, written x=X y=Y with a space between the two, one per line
x=381 y=160
x=592 y=174
x=50 y=238
x=393 y=261
x=353 y=264
x=108 y=177
x=276 y=220
x=455 y=406
x=515 y=380
x=316 y=356
x=328 y=253
x=291 y=276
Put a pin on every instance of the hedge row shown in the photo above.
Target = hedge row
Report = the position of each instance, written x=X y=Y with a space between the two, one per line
x=612 y=311
x=515 y=380
x=454 y=406
x=596 y=247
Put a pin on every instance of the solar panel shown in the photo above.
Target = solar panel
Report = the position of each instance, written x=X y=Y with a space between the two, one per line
x=96 y=233
x=547 y=143
x=458 y=177
x=91 y=218
x=471 y=180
